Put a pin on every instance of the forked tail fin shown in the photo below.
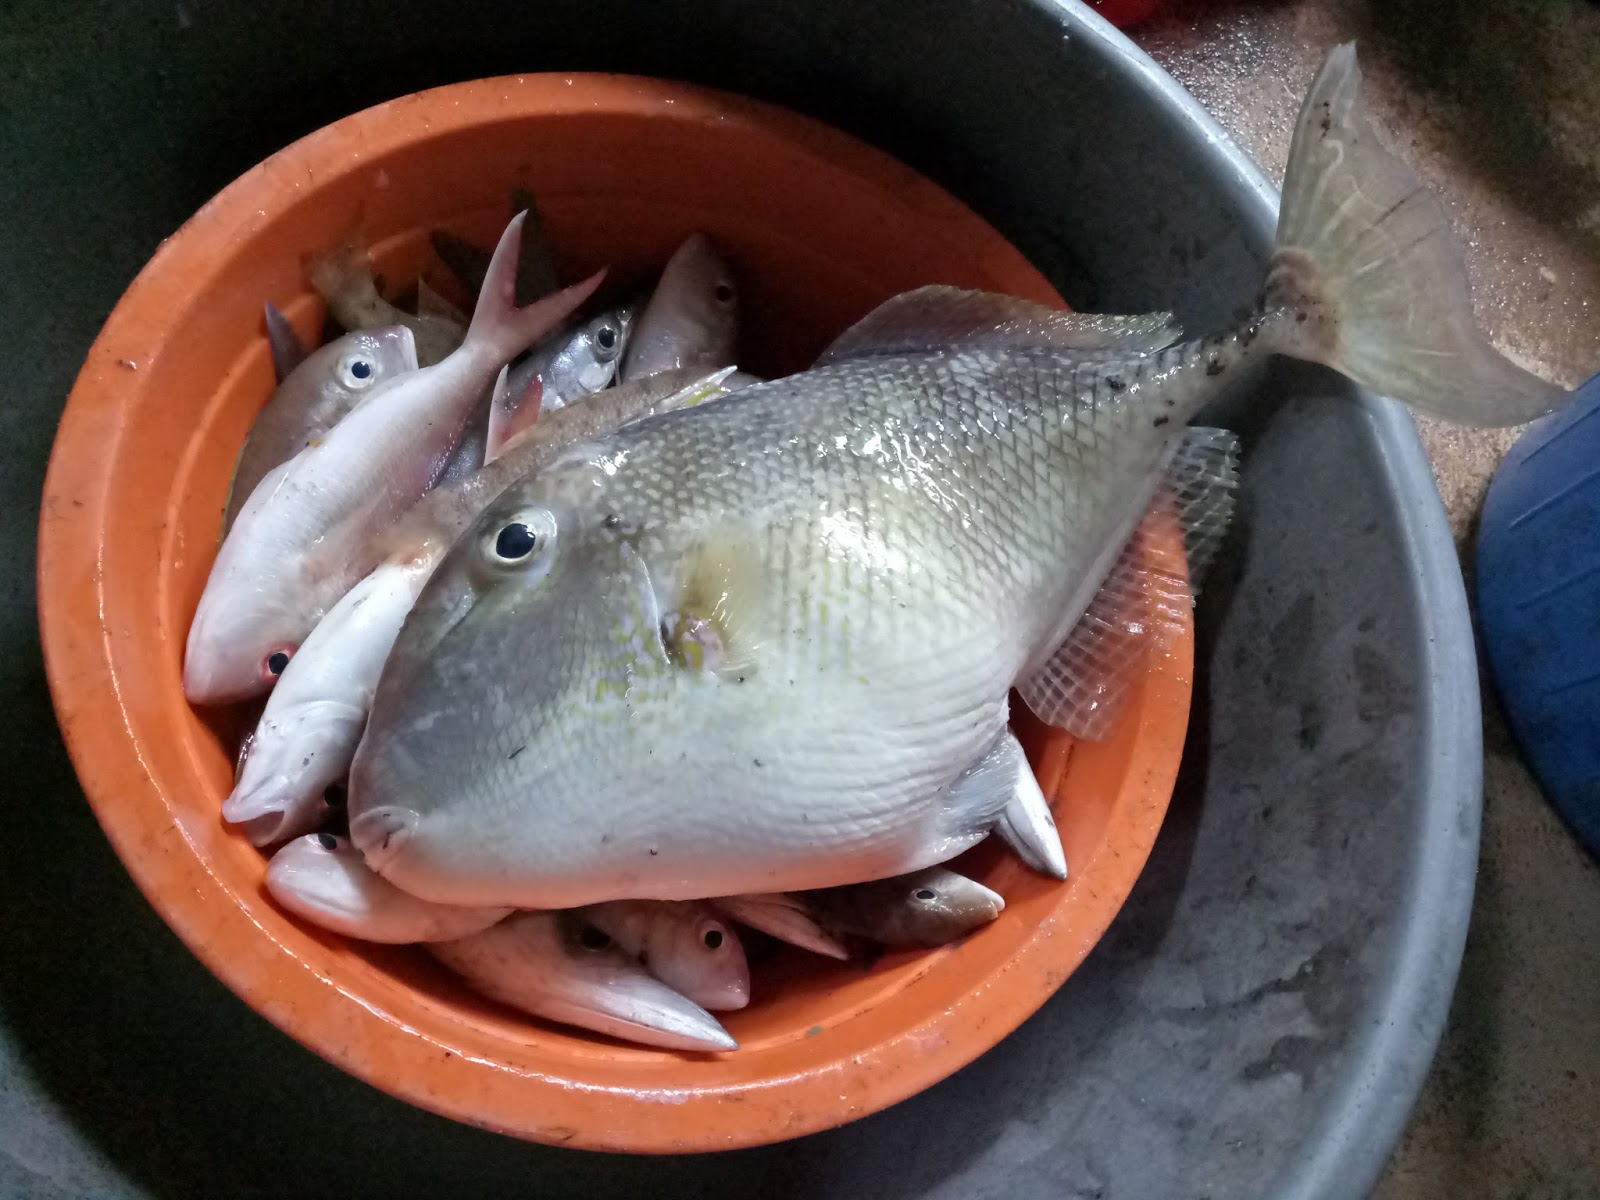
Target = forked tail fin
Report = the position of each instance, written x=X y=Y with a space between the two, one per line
x=1366 y=278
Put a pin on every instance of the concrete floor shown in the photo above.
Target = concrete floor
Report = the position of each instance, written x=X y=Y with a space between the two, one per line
x=1494 y=102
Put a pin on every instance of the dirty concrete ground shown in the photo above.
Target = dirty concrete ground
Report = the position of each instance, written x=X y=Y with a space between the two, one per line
x=1495 y=103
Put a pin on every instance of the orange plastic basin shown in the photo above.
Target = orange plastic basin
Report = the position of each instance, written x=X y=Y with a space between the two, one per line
x=820 y=228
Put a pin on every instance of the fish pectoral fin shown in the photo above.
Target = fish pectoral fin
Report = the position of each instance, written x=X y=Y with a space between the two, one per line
x=947 y=318
x=714 y=625
x=1144 y=603
x=511 y=411
x=985 y=792
x=1027 y=825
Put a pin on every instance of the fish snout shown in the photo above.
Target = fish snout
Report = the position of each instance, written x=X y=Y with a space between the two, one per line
x=381 y=833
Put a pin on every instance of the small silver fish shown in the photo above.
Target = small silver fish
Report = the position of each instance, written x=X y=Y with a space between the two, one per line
x=320 y=878
x=685 y=944
x=692 y=318
x=325 y=385
x=565 y=368
x=541 y=963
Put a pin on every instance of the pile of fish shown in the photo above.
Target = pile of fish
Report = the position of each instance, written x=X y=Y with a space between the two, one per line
x=614 y=646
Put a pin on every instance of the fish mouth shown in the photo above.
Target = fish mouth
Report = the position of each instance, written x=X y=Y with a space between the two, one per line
x=273 y=811
x=729 y=997
x=644 y=1010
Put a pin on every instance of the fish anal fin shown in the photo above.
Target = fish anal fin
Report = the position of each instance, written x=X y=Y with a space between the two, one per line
x=1144 y=603
x=947 y=318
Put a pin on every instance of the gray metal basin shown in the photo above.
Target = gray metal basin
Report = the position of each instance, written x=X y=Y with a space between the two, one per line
x=1258 y=1020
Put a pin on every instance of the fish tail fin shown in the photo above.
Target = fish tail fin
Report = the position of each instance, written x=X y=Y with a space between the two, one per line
x=498 y=326
x=1366 y=279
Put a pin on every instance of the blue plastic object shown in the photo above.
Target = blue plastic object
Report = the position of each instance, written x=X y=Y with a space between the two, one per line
x=1539 y=600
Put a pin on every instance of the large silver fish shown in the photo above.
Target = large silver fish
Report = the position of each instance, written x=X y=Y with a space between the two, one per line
x=766 y=644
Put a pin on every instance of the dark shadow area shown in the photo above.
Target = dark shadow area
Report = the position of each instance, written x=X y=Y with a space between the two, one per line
x=1493 y=75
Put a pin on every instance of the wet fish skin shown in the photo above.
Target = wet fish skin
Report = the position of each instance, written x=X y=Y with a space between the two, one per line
x=567 y=367
x=315 y=397
x=537 y=962
x=321 y=879
x=309 y=730
x=685 y=944
x=692 y=317
x=926 y=908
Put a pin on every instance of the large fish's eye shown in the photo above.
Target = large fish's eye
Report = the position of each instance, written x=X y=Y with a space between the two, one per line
x=724 y=293
x=357 y=371
x=515 y=542
x=520 y=540
x=606 y=337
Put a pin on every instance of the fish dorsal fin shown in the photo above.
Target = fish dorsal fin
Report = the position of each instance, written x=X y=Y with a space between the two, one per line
x=942 y=318
x=714 y=624
x=1140 y=608
x=511 y=411
x=431 y=304
x=288 y=351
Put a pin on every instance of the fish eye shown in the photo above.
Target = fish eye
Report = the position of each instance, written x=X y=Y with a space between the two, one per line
x=724 y=293
x=275 y=663
x=521 y=540
x=606 y=337
x=357 y=371
x=514 y=542
x=924 y=893
x=327 y=841
x=713 y=937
